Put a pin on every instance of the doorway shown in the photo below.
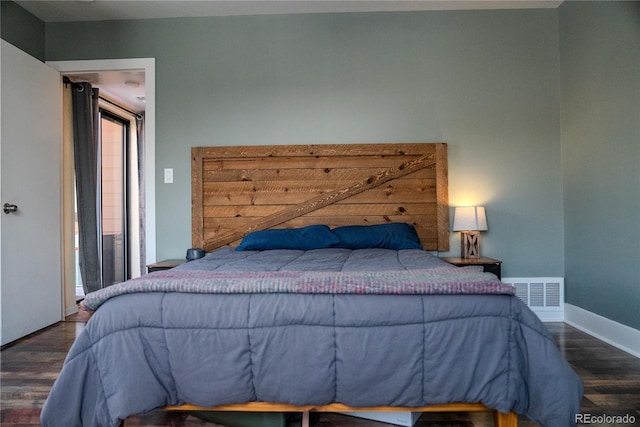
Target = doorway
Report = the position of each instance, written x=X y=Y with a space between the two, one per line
x=117 y=183
x=147 y=66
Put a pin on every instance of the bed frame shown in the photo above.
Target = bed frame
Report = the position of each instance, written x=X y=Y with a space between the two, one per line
x=236 y=190
x=499 y=419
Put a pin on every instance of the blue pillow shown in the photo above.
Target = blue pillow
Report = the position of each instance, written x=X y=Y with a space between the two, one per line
x=394 y=235
x=306 y=238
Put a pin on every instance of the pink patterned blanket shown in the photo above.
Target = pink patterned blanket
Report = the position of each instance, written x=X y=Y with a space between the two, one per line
x=432 y=281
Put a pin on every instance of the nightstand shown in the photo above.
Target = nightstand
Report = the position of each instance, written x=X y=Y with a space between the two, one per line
x=489 y=265
x=167 y=264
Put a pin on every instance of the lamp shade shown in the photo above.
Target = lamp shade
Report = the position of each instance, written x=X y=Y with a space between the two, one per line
x=469 y=218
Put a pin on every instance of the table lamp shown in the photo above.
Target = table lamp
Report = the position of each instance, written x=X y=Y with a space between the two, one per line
x=470 y=220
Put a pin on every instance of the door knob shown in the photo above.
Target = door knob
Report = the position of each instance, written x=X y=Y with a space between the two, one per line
x=9 y=208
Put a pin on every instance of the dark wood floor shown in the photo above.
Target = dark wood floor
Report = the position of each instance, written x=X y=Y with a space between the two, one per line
x=28 y=369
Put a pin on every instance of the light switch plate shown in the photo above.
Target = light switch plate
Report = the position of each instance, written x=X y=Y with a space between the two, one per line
x=168 y=176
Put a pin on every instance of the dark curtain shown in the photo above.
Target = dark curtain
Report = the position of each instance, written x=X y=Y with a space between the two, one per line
x=141 y=191
x=85 y=143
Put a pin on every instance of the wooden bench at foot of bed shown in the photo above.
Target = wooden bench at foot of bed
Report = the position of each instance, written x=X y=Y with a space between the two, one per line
x=499 y=419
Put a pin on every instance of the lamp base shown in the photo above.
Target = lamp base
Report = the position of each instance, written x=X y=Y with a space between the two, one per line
x=470 y=244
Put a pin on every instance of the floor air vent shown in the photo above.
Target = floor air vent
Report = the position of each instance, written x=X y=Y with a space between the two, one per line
x=543 y=295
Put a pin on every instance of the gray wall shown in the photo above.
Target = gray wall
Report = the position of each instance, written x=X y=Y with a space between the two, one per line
x=561 y=186
x=485 y=82
x=22 y=29
x=600 y=75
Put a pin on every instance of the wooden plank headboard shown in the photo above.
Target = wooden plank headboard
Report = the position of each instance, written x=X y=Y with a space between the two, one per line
x=236 y=190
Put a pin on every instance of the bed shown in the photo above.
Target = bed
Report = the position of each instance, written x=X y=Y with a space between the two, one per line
x=349 y=310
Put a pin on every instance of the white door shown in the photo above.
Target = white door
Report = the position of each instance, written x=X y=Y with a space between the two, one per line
x=30 y=178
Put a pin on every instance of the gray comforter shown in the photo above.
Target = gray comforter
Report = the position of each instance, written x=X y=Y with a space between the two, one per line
x=146 y=350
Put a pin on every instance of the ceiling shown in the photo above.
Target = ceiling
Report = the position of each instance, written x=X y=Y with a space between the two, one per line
x=99 y=10
x=127 y=88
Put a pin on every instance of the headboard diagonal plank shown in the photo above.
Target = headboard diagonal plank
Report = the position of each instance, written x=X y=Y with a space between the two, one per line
x=236 y=190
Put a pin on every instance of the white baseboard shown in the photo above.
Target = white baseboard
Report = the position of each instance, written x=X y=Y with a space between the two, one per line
x=71 y=310
x=549 y=316
x=618 y=335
